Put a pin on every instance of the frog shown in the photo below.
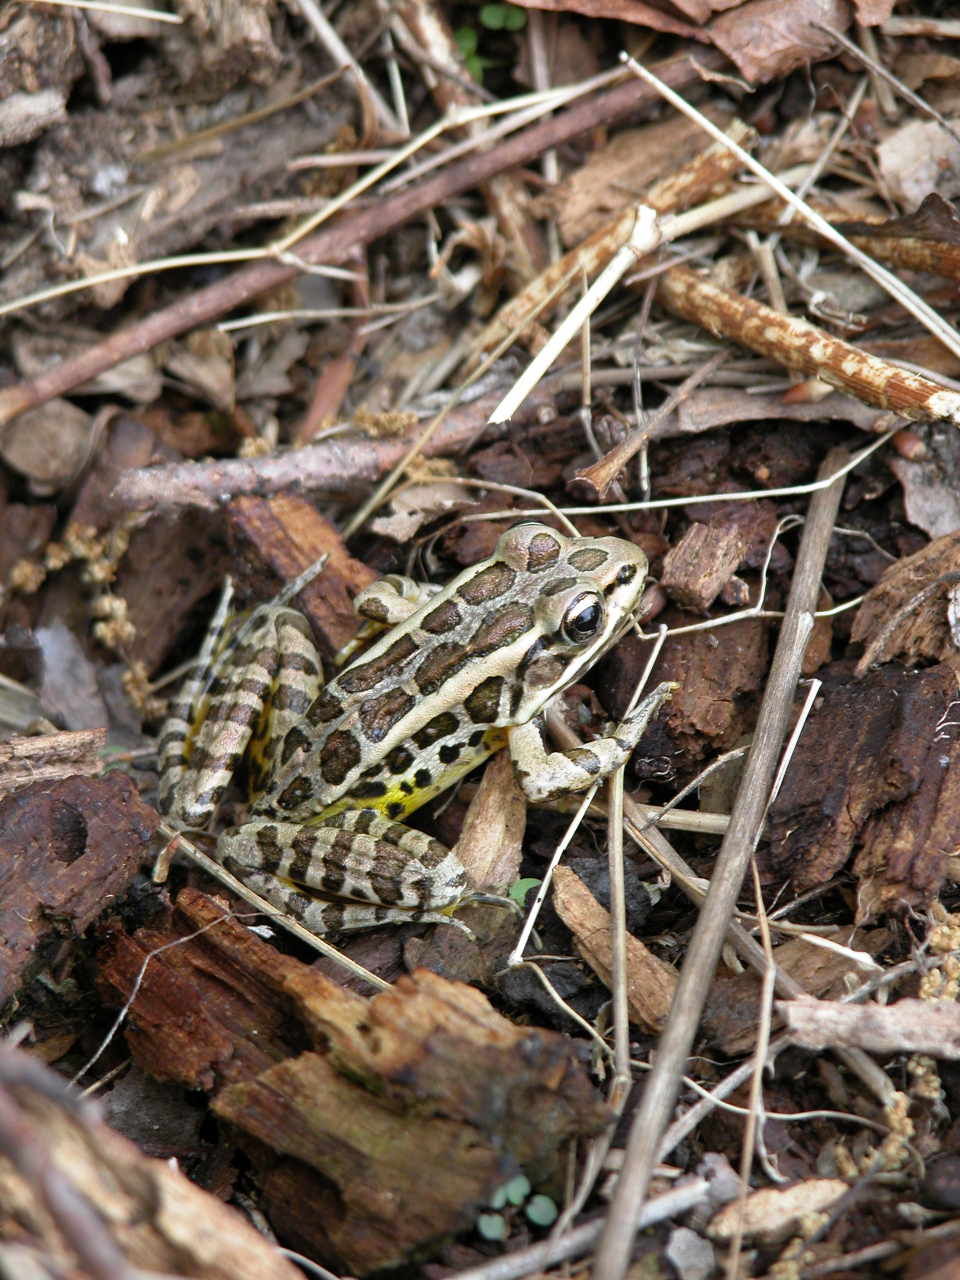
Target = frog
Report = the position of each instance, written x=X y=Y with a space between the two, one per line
x=333 y=767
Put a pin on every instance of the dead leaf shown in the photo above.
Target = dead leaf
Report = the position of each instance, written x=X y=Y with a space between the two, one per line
x=268 y=372
x=643 y=15
x=138 y=378
x=417 y=505
x=919 y=158
x=930 y=496
x=49 y=445
x=492 y=834
x=768 y=39
x=914 y=69
x=204 y=360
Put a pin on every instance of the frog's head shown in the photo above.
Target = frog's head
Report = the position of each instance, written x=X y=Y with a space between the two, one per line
x=583 y=593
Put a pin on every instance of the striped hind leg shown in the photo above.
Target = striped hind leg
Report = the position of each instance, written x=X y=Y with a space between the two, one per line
x=253 y=683
x=354 y=870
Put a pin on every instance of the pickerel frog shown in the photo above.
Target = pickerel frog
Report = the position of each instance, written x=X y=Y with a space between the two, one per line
x=332 y=768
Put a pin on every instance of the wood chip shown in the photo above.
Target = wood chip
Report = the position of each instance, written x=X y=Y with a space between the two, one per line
x=650 y=982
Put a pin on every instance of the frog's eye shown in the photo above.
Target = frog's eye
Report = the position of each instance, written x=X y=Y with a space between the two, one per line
x=584 y=619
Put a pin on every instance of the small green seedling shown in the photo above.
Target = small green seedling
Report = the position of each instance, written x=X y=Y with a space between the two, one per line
x=520 y=888
x=493 y=17
x=540 y=1210
x=503 y=17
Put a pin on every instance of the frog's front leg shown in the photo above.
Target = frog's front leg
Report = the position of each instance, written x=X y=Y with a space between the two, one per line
x=377 y=870
x=545 y=775
x=258 y=684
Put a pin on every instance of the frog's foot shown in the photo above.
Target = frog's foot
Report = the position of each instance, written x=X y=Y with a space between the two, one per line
x=546 y=775
x=356 y=870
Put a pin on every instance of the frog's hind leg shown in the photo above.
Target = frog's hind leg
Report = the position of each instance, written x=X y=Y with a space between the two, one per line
x=251 y=687
x=355 y=870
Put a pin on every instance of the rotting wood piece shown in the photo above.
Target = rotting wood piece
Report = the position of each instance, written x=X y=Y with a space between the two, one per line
x=876 y=771
x=286 y=534
x=70 y=850
x=412 y=1107
x=85 y=1201
x=719 y=675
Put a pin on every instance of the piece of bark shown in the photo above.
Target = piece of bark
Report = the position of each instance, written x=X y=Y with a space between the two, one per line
x=904 y=618
x=650 y=982
x=51 y=756
x=285 y=535
x=876 y=772
x=820 y=645
x=733 y=1007
x=718 y=675
x=906 y=1026
x=70 y=849
x=696 y=570
x=368 y=1094
x=92 y=1205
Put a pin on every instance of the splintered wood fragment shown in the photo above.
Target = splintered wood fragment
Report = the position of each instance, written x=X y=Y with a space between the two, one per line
x=697 y=569
x=650 y=982
x=907 y=1026
x=92 y=1204
x=907 y=616
x=285 y=535
x=349 y=1099
x=50 y=756
x=876 y=773
x=797 y=344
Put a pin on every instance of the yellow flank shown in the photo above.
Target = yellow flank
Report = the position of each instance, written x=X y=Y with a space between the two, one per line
x=414 y=797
